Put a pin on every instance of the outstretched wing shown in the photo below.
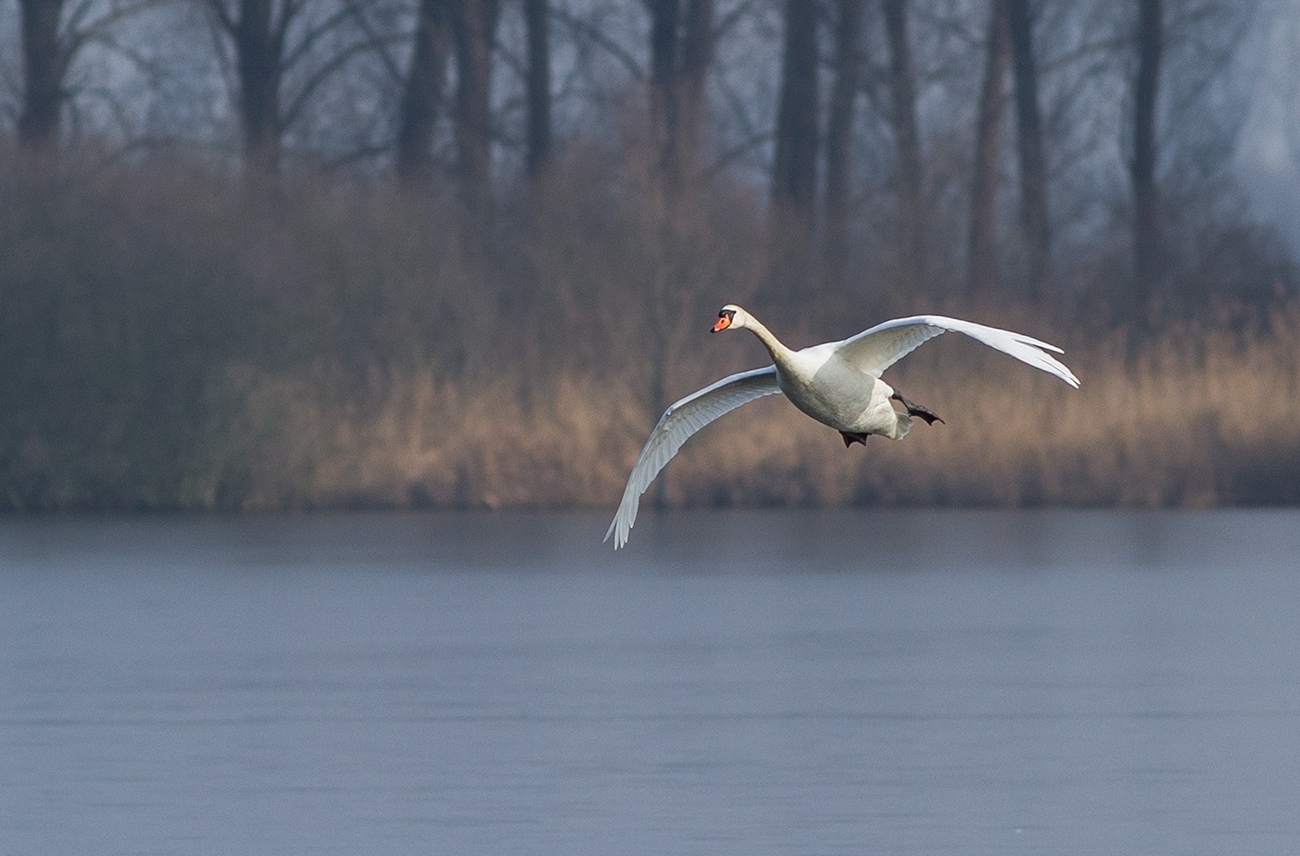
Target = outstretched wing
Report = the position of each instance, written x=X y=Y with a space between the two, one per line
x=675 y=427
x=875 y=350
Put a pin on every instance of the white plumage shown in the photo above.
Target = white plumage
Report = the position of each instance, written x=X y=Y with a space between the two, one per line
x=837 y=383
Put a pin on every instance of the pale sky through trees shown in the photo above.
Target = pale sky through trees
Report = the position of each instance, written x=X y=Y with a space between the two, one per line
x=159 y=79
x=1268 y=152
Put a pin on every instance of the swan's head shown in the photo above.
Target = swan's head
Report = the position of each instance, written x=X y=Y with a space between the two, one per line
x=730 y=317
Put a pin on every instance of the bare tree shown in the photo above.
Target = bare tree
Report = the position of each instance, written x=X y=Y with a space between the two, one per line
x=794 y=172
x=1146 y=199
x=697 y=57
x=422 y=90
x=981 y=264
x=902 y=86
x=259 y=47
x=839 y=133
x=474 y=28
x=271 y=39
x=45 y=62
x=681 y=51
x=51 y=42
x=1033 y=162
x=664 y=44
x=537 y=27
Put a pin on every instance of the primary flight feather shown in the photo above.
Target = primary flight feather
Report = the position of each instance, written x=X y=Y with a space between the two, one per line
x=836 y=383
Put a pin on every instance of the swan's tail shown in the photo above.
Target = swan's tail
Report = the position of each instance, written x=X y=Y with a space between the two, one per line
x=901 y=427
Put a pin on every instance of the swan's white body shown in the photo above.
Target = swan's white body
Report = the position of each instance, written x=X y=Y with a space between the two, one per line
x=837 y=383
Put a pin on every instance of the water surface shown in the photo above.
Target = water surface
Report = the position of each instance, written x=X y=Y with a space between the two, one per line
x=732 y=683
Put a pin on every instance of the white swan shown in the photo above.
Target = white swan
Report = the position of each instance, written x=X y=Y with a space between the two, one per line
x=837 y=383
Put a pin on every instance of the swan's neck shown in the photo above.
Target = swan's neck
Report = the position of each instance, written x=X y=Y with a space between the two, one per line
x=780 y=353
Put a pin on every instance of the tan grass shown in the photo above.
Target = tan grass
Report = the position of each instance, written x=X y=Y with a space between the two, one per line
x=1200 y=418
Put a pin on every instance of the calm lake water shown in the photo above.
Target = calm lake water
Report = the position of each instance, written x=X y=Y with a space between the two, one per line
x=732 y=683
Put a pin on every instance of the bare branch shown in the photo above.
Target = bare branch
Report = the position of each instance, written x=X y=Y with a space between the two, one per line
x=376 y=40
x=318 y=77
x=77 y=37
x=222 y=15
x=729 y=20
x=582 y=29
x=736 y=152
x=314 y=34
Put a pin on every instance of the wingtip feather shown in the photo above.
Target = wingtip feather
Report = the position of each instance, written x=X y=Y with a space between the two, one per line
x=682 y=419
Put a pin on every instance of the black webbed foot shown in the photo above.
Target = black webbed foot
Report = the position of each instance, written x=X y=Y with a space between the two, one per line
x=914 y=409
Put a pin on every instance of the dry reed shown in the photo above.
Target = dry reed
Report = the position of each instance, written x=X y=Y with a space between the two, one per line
x=1201 y=418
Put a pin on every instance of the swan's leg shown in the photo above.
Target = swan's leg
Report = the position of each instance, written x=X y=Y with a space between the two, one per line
x=914 y=409
x=850 y=439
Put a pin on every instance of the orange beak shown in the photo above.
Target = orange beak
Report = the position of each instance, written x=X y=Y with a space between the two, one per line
x=723 y=322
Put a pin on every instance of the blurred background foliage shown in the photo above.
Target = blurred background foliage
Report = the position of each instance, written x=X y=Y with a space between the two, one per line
x=277 y=254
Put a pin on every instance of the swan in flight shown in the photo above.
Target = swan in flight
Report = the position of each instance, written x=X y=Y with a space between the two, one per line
x=836 y=383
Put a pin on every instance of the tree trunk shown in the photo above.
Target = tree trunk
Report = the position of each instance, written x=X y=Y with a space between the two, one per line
x=537 y=24
x=697 y=59
x=681 y=52
x=1146 y=194
x=981 y=264
x=903 y=117
x=422 y=92
x=794 y=173
x=259 y=49
x=664 y=16
x=44 y=65
x=475 y=29
x=1033 y=164
x=839 y=135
